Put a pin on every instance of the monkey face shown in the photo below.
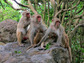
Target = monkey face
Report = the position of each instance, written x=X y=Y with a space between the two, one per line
x=38 y=18
x=56 y=22
x=28 y=15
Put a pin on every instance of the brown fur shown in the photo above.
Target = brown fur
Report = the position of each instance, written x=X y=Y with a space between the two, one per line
x=21 y=27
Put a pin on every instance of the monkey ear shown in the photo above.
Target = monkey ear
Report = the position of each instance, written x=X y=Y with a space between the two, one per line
x=52 y=20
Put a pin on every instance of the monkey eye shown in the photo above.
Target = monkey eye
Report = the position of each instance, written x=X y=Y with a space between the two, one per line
x=27 y=13
x=38 y=16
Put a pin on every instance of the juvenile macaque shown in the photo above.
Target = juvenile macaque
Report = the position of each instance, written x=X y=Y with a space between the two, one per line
x=35 y=26
x=21 y=27
x=58 y=30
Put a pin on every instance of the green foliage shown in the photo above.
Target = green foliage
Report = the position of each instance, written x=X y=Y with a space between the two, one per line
x=7 y=12
x=48 y=46
x=18 y=52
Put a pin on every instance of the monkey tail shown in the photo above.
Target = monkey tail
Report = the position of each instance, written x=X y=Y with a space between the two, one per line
x=19 y=35
x=29 y=47
x=70 y=55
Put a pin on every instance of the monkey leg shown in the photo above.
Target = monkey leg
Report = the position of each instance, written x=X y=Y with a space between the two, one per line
x=38 y=37
x=42 y=45
x=19 y=38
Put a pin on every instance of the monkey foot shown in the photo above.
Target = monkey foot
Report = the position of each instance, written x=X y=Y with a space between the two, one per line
x=21 y=45
x=41 y=49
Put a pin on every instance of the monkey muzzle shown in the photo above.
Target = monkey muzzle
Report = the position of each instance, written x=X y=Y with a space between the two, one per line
x=28 y=15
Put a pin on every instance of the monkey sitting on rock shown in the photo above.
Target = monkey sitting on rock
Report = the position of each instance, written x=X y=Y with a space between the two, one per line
x=21 y=27
x=36 y=28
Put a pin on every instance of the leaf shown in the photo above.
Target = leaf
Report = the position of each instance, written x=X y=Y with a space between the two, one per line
x=15 y=51
x=19 y=52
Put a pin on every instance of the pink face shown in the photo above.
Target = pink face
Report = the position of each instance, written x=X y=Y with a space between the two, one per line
x=28 y=15
x=57 y=23
x=38 y=18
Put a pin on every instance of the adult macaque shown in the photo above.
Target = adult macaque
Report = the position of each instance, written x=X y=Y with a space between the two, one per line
x=21 y=27
x=58 y=30
x=35 y=26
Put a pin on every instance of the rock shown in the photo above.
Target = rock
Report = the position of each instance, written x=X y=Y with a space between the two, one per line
x=4 y=56
x=12 y=53
x=42 y=58
x=1 y=47
x=8 y=30
x=60 y=55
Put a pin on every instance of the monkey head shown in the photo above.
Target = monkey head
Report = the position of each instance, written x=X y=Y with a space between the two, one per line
x=26 y=14
x=36 y=18
x=56 y=22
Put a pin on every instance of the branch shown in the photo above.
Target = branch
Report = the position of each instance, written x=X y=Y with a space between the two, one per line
x=2 y=5
x=63 y=10
x=44 y=10
x=31 y=7
x=12 y=6
x=80 y=10
x=59 y=4
x=20 y=4
x=48 y=14
x=75 y=29
x=79 y=25
x=52 y=3
x=73 y=1
x=40 y=7
x=79 y=16
x=28 y=6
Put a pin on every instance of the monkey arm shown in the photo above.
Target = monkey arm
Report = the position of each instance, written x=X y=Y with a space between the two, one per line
x=44 y=28
x=31 y=35
x=44 y=37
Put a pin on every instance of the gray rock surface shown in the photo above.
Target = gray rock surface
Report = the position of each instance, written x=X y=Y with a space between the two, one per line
x=8 y=30
x=12 y=53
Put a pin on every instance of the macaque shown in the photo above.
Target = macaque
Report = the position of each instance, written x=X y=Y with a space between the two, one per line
x=62 y=38
x=35 y=26
x=21 y=27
